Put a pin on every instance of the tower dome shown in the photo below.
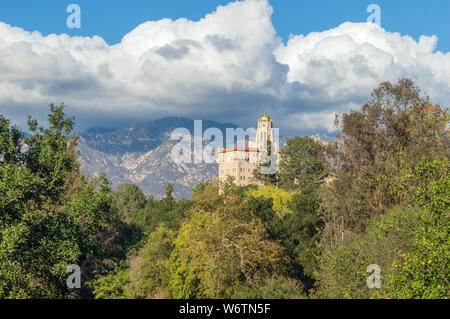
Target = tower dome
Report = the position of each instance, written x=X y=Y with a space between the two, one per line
x=265 y=117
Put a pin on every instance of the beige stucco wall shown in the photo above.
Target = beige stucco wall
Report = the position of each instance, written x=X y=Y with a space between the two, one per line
x=241 y=163
x=242 y=172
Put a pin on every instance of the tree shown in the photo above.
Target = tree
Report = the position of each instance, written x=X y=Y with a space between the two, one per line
x=113 y=285
x=273 y=288
x=280 y=198
x=298 y=230
x=301 y=163
x=342 y=272
x=397 y=125
x=169 y=191
x=302 y=234
x=422 y=271
x=52 y=153
x=144 y=274
x=215 y=253
x=167 y=211
x=51 y=216
x=410 y=244
x=130 y=199
x=150 y=275
x=267 y=170
x=11 y=142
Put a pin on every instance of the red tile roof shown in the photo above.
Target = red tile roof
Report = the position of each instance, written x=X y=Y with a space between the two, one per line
x=246 y=149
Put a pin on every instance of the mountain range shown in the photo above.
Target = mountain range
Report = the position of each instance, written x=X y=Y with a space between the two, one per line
x=142 y=155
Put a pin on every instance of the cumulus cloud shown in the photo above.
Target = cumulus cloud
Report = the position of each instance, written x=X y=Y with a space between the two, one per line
x=228 y=66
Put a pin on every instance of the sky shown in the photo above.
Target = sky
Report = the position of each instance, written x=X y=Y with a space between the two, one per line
x=299 y=61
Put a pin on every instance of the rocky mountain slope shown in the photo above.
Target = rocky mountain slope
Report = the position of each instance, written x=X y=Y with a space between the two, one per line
x=142 y=155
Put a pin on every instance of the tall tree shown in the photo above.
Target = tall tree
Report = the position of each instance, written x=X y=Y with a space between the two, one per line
x=215 y=253
x=267 y=170
x=50 y=215
x=396 y=127
x=301 y=164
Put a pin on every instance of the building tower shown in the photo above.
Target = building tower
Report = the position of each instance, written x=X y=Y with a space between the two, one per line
x=264 y=132
x=240 y=162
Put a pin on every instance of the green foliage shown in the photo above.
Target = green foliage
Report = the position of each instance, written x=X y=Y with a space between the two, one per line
x=169 y=192
x=392 y=152
x=130 y=199
x=411 y=251
x=10 y=142
x=427 y=184
x=150 y=274
x=343 y=269
x=215 y=253
x=410 y=245
x=186 y=262
x=293 y=238
x=302 y=233
x=51 y=154
x=114 y=285
x=280 y=198
x=298 y=231
x=51 y=216
x=268 y=167
x=274 y=288
x=394 y=129
x=422 y=272
x=301 y=163
x=203 y=187
x=35 y=254
x=164 y=211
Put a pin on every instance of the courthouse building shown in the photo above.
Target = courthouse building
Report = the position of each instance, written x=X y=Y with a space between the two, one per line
x=240 y=162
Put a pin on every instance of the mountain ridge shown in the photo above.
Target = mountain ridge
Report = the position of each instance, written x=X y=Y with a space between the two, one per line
x=141 y=155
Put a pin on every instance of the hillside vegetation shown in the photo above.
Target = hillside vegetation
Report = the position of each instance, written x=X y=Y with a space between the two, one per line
x=378 y=194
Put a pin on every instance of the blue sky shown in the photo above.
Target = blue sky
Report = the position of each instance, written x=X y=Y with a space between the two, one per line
x=113 y=19
x=229 y=66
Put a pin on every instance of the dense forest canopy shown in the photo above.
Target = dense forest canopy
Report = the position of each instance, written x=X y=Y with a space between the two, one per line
x=378 y=194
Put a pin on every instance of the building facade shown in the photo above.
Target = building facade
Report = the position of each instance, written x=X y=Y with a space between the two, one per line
x=241 y=162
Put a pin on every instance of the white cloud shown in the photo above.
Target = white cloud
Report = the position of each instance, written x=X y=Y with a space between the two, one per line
x=228 y=66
